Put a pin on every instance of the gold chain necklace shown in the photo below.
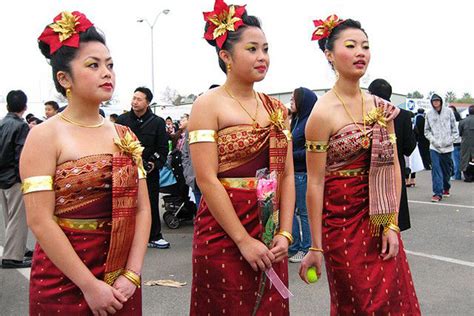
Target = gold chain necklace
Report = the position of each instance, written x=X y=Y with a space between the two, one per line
x=67 y=119
x=365 y=140
x=254 y=119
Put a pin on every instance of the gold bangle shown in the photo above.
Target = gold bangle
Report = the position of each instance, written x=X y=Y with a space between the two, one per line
x=391 y=226
x=287 y=235
x=132 y=277
x=316 y=249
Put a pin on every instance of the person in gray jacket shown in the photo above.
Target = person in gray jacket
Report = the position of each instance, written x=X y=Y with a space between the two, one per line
x=441 y=131
x=466 y=129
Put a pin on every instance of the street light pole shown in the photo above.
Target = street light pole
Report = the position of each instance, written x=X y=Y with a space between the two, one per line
x=152 y=25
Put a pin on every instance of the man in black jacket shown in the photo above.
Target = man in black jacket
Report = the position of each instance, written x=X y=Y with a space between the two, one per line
x=150 y=130
x=13 y=132
x=406 y=143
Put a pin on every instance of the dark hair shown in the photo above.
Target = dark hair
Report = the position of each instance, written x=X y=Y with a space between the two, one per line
x=34 y=119
x=420 y=111
x=214 y=85
x=114 y=116
x=53 y=104
x=298 y=95
x=457 y=116
x=169 y=118
x=328 y=42
x=381 y=88
x=16 y=101
x=146 y=92
x=61 y=59
x=28 y=116
x=471 y=110
x=233 y=37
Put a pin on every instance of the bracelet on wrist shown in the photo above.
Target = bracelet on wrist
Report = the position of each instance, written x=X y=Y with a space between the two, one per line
x=287 y=235
x=132 y=277
x=316 y=249
x=391 y=226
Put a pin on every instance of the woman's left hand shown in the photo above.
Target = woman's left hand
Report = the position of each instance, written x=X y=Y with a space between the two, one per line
x=125 y=286
x=390 y=245
x=279 y=247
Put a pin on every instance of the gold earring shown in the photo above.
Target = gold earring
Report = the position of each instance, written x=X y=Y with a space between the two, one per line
x=229 y=67
x=68 y=93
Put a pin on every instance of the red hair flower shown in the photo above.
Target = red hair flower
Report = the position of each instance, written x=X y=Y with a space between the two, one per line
x=324 y=28
x=223 y=19
x=65 y=30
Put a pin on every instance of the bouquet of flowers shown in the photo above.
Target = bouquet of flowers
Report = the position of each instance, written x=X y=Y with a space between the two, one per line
x=266 y=194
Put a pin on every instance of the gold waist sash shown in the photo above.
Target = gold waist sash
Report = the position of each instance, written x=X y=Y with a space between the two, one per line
x=84 y=224
x=349 y=172
x=239 y=183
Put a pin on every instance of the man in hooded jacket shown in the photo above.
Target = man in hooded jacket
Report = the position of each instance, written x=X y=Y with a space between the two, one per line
x=441 y=131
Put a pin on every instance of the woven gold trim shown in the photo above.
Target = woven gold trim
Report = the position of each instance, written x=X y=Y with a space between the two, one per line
x=377 y=221
x=316 y=146
x=83 y=224
x=393 y=138
x=110 y=277
x=239 y=183
x=38 y=183
x=202 y=136
x=349 y=172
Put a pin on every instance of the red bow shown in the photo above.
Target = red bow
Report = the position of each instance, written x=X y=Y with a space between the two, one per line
x=324 y=28
x=65 y=30
x=222 y=20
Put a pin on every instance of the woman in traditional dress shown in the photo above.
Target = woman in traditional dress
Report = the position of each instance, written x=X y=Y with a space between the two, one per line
x=354 y=186
x=85 y=203
x=235 y=131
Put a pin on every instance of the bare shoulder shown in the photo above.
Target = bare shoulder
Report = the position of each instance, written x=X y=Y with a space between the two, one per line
x=322 y=119
x=39 y=154
x=204 y=111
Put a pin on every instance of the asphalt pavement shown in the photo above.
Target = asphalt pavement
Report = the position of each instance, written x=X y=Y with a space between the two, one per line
x=439 y=248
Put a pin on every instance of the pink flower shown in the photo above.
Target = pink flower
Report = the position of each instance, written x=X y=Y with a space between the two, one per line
x=266 y=188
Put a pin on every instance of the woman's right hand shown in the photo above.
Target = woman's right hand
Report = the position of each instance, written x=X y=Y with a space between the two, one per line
x=312 y=259
x=256 y=253
x=103 y=299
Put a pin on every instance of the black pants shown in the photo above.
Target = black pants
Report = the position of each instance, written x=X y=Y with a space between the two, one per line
x=153 y=184
x=424 y=147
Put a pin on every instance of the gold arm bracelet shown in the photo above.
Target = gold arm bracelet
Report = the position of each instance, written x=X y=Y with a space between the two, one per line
x=38 y=183
x=132 y=277
x=316 y=249
x=287 y=235
x=316 y=146
x=202 y=136
x=391 y=226
x=393 y=138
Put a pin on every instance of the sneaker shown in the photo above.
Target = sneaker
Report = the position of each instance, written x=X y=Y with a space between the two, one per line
x=160 y=244
x=446 y=193
x=298 y=257
x=436 y=198
x=15 y=264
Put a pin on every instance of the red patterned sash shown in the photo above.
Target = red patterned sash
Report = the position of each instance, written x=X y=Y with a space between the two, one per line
x=124 y=204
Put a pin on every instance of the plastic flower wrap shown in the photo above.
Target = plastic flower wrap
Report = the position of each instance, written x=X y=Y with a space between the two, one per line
x=266 y=194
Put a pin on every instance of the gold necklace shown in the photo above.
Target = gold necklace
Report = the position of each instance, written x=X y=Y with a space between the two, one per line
x=254 y=119
x=67 y=119
x=364 y=140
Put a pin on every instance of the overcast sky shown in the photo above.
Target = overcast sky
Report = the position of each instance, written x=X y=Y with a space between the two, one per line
x=415 y=44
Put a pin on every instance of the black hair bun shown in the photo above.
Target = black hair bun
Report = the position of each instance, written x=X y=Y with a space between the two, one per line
x=45 y=49
x=322 y=43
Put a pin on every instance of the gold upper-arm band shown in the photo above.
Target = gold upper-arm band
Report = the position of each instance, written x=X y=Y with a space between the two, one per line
x=316 y=146
x=203 y=136
x=38 y=183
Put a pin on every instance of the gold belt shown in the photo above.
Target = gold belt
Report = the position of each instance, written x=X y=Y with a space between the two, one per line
x=84 y=224
x=349 y=172
x=239 y=183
